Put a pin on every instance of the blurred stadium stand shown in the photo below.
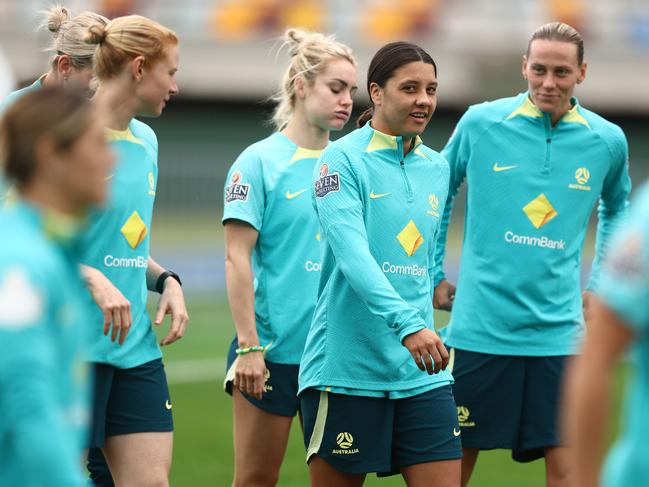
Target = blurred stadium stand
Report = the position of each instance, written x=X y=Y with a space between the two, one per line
x=228 y=49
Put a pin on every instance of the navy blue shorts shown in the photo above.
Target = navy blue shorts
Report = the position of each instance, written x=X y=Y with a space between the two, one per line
x=280 y=388
x=132 y=400
x=358 y=435
x=508 y=402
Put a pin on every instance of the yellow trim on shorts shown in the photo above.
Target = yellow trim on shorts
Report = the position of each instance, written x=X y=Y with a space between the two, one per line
x=318 y=428
x=451 y=359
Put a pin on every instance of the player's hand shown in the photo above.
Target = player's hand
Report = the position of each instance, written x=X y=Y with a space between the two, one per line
x=112 y=303
x=172 y=302
x=427 y=350
x=587 y=301
x=250 y=374
x=444 y=295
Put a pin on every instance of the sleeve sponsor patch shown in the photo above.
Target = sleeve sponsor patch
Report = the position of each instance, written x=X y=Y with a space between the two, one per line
x=326 y=183
x=21 y=305
x=236 y=191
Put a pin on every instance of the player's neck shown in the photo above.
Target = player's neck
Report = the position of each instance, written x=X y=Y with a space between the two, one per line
x=47 y=196
x=303 y=134
x=120 y=105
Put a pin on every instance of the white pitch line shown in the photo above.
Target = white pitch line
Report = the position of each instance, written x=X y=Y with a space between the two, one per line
x=187 y=371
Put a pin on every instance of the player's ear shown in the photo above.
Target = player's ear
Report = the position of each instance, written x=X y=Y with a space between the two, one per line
x=64 y=66
x=524 y=67
x=582 y=73
x=137 y=68
x=376 y=94
x=299 y=87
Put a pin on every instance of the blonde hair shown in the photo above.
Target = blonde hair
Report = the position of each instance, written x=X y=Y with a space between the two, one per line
x=309 y=51
x=558 y=31
x=68 y=34
x=125 y=38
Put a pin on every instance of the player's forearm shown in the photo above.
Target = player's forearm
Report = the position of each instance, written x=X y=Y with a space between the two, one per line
x=153 y=272
x=241 y=296
x=608 y=222
x=368 y=281
x=588 y=421
x=437 y=271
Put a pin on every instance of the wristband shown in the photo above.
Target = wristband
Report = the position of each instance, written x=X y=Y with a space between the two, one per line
x=159 y=284
x=243 y=351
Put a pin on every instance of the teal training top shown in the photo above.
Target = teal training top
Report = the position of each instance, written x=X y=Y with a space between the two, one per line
x=12 y=97
x=268 y=187
x=624 y=288
x=4 y=104
x=43 y=379
x=531 y=191
x=380 y=213
x=117 y=244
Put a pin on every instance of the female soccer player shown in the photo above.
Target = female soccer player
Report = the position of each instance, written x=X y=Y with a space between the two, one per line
x=379 y=194
x=54 y=149
x=269 y=218
x=618 y=319
x=136 y=62
x=536 y=165
x=72 y=61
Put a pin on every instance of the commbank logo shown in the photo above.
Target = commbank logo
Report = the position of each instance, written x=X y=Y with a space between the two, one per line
x=582 y=175
x=540 y=211
x=134 y=230
x=410 y=238
x=434 y=205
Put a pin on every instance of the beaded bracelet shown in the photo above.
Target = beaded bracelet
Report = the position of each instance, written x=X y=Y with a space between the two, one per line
x=243 y=351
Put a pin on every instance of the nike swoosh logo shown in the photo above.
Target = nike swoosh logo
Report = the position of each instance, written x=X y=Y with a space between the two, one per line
x=290 y=196
x=498 y=168
x=376 y=196
x=168 y=404
x=456 y=432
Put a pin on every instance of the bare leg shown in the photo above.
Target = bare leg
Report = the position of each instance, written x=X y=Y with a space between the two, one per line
x=140 y=459
x=256 y=466
x=469 y=459
x=557 y=466
x=445 y=473
x=324 y=475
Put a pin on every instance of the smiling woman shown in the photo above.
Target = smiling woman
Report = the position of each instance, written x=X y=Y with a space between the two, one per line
x=266 y=198
x=373 y=365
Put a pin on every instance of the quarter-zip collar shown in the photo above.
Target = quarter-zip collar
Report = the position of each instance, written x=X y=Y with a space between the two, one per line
x=527 y=108
x=61 y=229
x=381 y=141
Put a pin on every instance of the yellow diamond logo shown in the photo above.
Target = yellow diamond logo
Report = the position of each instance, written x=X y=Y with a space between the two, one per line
x=410 y=238
x=134 y=230
x=539 y=211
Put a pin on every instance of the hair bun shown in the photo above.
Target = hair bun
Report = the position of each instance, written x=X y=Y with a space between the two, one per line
x=96 y=34
x=55 y=17
x=294 y=37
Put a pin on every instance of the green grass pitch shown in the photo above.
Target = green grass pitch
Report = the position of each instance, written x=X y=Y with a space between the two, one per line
x=203 y=419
